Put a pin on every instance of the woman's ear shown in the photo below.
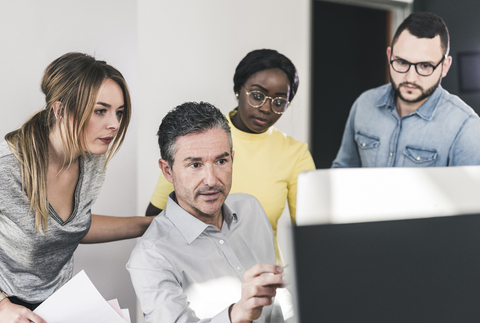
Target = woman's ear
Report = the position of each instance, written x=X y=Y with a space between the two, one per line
x=58 y=110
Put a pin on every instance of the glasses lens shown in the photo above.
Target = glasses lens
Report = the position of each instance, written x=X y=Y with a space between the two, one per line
x=400 y=66
x=425 y=69
x=279 y=104
x=256 y=99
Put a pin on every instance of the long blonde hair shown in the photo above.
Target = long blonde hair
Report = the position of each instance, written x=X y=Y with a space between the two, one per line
x=73 y=80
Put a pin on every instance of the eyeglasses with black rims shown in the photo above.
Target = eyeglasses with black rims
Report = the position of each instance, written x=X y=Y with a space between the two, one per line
x=256 y=99
x=423 y=68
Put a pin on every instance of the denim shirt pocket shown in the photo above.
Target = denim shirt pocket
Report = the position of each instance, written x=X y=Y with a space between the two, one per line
x=419 y=157
x=367 y=148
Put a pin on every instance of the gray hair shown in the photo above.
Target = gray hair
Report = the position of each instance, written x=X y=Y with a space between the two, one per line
x=187 y=118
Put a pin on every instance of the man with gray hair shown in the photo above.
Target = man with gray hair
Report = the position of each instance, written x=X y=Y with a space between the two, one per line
x=206 y=257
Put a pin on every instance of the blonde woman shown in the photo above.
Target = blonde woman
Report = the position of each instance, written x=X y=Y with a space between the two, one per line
x=51 y=172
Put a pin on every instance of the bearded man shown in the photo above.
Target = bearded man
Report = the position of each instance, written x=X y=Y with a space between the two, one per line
x=412 y=122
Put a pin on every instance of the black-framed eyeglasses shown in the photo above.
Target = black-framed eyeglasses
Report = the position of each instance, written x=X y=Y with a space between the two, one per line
x=256 y=99
x=423 y=68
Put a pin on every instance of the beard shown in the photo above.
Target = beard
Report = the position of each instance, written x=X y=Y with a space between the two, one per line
x=197 y=204
x=423 y=93
x=216 y=188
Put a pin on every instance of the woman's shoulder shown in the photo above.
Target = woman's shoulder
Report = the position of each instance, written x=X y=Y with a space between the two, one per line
x=93 y=168
x=8 y=161
x=279 y=136
x=292 y=151
x=5 y=150
x=9 y=165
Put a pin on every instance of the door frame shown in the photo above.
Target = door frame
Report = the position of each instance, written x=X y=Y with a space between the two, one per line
x=401 y=9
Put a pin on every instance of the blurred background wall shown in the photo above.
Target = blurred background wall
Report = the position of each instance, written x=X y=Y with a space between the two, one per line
x=461 y=17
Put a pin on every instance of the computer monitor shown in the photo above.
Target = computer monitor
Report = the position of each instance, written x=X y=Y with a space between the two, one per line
x=376 y=194
x=417 y=270
x=413 y=256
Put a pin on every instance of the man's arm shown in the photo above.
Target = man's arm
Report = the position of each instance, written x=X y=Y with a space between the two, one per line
x=347 y=155
x=12 y=313
x=466 y=147
x=163 y=299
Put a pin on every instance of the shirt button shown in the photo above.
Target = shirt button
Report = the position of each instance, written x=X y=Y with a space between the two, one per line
x=239 y=269
x=418 y=158
x=364 y=144
x=221 y=241
x=391 y=154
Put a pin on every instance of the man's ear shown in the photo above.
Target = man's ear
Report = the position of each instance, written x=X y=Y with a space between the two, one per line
x=166 y=170
x=389 y=52
x=447 y=62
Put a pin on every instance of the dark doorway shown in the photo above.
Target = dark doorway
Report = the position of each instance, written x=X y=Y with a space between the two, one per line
x=349 y=56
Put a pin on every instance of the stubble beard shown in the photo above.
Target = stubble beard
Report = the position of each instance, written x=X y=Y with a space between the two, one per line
x=423 y=95
x=218 y=188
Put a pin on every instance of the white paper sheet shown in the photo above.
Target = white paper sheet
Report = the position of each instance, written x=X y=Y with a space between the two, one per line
x=78 y=301
x=116 y=306
x=124 y=312
x=126 y=315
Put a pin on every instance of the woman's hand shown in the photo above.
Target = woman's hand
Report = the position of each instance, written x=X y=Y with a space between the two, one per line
x=11 y=313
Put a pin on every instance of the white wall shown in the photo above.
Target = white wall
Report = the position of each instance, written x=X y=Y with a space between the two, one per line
x=188 y=51
x=185 y=49
x=34 y=33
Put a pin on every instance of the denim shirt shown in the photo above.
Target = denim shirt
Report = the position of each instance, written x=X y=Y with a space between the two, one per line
x=444 y=131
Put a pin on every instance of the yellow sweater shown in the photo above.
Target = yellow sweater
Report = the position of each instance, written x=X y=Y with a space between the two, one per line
x=266 y=166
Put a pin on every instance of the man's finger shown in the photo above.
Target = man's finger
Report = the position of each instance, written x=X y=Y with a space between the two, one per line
x=260 y=269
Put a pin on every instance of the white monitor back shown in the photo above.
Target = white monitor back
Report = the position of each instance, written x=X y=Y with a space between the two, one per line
x=377 y=194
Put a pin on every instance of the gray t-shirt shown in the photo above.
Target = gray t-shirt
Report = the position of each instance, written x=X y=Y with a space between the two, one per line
x=33 y=265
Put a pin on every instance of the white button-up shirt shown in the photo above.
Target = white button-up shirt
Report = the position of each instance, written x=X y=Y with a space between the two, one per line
x=184 y=270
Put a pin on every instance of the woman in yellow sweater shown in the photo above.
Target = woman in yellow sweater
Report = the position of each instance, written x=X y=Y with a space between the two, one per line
x=267 y=161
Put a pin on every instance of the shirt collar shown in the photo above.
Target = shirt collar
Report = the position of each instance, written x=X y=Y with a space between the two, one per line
x=425 y=111
x=229 y=217
x=188 y=225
